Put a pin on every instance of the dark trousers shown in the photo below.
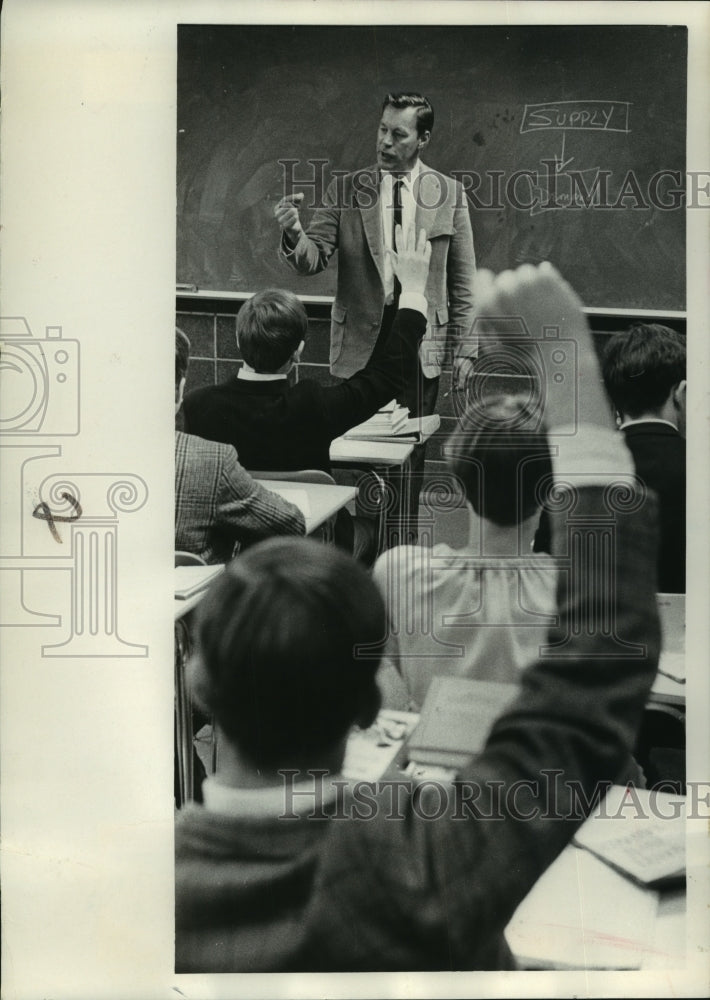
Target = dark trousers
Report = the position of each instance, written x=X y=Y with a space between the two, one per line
x=420 y=398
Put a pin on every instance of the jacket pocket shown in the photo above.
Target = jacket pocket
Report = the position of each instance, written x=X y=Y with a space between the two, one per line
x=440 y=228
x=442 y=315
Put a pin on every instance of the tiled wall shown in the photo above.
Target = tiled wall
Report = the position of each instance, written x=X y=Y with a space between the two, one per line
x=214 y=356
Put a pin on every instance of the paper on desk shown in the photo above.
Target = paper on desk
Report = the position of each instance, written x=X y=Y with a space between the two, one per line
x=640 y=833
x=369 y=752
x=299 y=498
x=581 y=914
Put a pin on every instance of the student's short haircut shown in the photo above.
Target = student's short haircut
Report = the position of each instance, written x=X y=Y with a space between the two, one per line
x=276 y=662
x=182 y=355
x=641 y=366
x=503 y=467
x=270 y=326
x=425 y=112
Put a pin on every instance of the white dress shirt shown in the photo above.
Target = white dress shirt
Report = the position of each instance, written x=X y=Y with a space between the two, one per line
x=409 y=209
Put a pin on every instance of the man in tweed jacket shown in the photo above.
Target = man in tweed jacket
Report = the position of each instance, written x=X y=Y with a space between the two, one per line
x=218 y=506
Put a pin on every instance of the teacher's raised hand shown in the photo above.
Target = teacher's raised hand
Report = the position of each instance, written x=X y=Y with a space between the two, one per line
x=287 y=215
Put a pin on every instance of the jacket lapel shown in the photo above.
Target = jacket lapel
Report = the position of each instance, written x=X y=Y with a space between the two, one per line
x=368 y=202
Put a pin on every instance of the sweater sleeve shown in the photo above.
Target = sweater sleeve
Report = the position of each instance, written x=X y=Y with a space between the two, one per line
x=383 y=378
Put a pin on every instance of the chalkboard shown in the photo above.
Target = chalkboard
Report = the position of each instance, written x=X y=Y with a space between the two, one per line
x=570 y=140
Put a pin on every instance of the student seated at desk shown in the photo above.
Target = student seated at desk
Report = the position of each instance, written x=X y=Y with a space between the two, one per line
x=463 y=619
x=645 y=375
x=218 y=506
x=285 y=870
x=282 y=427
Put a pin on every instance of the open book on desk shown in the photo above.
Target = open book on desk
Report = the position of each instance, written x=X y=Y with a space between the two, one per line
x=639 y=833
x=455 y=720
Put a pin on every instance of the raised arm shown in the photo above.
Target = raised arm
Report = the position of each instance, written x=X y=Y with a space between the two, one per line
x=575 y=721
x=308 y=252
x=386 y=374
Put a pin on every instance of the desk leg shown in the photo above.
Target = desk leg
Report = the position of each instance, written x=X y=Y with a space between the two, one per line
x=184 y=772
x=397 y=526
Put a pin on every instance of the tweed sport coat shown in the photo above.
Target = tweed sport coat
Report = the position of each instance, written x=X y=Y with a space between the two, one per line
x=218 y=505
x=349 y=222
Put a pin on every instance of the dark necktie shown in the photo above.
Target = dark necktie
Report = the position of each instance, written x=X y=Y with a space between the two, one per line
x=396 y=221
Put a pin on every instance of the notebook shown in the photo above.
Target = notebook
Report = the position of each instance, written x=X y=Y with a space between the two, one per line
x=640 y=834
x=455 y=720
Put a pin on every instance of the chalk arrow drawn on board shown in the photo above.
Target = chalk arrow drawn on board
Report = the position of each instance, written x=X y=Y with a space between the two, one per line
x=573 y=116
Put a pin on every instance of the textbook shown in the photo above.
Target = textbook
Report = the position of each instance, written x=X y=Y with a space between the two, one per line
x=190 y=580
x=455 y=720
x=414 y=429
x=640 y=834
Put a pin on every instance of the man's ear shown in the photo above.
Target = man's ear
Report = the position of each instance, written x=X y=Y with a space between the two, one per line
x=424 y=139
x=679 y=393
x=298 y=352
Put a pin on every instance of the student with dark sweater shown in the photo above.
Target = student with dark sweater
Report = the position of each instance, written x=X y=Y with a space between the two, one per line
x=287 y=867
x=219 y=508
x=278 y=426
x=645 y=375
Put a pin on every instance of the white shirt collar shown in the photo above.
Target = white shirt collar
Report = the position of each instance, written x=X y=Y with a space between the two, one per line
x=409 y=179
x=646 y=420
x=303 y=797
x=250 y=376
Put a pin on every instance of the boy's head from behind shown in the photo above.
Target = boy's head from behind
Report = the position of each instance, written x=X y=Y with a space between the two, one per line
x=271 y=327
x=275 y=661
x=644 y=371
x=501 y=465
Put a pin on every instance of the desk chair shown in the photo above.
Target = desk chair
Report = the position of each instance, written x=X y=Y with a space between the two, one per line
x=188 y=559
x=187 y=762
x=303 y=476
x=660 y=745
x=372 y=501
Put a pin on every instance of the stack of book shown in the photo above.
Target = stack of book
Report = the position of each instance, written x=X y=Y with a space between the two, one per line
x=393 y=422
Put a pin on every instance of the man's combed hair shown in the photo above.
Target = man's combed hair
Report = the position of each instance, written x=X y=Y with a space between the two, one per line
x=642 y=365
x=276 y=663
x=425 y=112
x=270 y=326
x=182 y=355
x=502 y=466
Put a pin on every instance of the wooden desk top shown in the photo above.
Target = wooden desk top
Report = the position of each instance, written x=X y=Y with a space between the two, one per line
x=346 y=451
x=581 y=913
x=316 y=501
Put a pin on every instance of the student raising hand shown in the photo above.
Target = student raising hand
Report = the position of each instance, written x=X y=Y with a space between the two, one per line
x=536 y=314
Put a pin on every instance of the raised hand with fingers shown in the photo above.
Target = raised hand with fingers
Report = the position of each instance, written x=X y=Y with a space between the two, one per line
x=411 y=261
x=538 y=301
